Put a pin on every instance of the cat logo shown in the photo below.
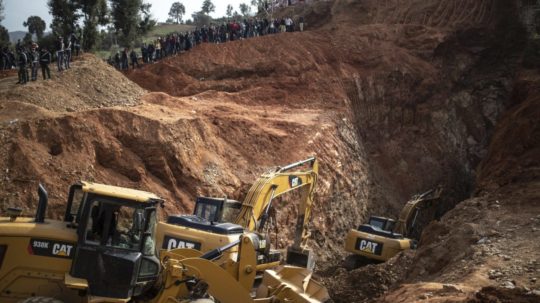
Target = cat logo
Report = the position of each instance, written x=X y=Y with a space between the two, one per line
x=48 y=248
x=172 y=243
x=62 y=250
x=368 y=246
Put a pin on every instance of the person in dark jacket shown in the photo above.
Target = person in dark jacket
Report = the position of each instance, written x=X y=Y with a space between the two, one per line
x=22 y=60
x=45 y=59
x=133 y=57
x=67 y=54
x=124 y=63
x=117 y=60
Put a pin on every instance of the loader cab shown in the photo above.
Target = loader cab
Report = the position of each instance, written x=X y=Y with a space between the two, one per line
x=115 y=252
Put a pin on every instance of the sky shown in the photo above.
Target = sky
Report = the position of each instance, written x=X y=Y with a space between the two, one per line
x=17 y=11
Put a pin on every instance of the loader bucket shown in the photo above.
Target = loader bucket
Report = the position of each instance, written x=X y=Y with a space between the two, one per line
x=300 y=257
x=292 y=284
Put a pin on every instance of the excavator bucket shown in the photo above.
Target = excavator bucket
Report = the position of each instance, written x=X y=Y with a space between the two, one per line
x=300 y=257
x=292 y=284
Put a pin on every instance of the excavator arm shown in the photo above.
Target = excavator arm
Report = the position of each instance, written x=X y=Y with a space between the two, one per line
x=254 y=211
x=258 y=201
x=407 y=217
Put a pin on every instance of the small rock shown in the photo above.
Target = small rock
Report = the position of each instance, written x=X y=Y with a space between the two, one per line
x=482 y=240
x=425 y=296
x=450 y=288
x=494 y=274
x=508 y=284
x=533 y=280
x=506 y=257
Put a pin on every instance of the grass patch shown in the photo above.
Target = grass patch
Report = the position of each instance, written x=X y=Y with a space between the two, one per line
x=165 y=29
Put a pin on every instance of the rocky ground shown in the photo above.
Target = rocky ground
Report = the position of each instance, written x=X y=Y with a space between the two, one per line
x=393 y=97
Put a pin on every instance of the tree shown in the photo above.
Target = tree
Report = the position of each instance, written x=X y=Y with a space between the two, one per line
x=244 y=9
x=36 y=26
x=1 y=10
x=27 y=39
x=177 y=11
x=146 y=23
x=4 y=37
x=208 y=7
x=65 y=16
x=95 y=13
x=200 y=19
x=261 y=5
x=229 y=10
x=131 y=19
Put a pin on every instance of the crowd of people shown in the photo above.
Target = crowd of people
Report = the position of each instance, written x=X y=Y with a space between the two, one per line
x=175 y=43
x=31 y=58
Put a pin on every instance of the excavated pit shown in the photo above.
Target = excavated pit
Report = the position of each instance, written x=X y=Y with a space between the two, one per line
x=393 y=97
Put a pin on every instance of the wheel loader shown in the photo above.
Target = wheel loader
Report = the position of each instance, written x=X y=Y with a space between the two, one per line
x=104 y=251
x=382 y=238
x=219 y=221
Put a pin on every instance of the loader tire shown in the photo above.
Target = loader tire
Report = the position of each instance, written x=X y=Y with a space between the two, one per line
x=40 y=300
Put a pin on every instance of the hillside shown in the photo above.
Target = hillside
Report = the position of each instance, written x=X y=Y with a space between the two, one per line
x=393 y=97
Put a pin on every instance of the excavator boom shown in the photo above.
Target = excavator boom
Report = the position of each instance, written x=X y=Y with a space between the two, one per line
x=274 y=184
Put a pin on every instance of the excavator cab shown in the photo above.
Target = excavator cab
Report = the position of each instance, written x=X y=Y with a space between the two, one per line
x=382 y=223
x=217 y=209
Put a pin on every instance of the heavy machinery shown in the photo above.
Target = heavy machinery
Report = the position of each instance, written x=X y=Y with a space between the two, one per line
x=104 y=251
x=382 y=238
x=219 y=221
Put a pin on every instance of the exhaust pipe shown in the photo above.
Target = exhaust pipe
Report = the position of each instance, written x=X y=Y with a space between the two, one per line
x=42 y=204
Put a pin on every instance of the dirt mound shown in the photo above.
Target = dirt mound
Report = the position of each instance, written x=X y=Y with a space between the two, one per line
x=90 y=83
x=263 y=71
x=502 y=295
x=368 y=282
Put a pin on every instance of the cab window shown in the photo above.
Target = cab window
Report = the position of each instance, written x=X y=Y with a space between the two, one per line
x=114 y=225
x=206 y=211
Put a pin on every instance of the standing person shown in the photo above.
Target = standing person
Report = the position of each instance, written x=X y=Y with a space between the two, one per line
x=34 y=54
x=289 y=24
x=283 y=26
x=144 y=53
x=133 y=57
x=117 y=60
x=67 y=53
x=301 y=23
x=125 y=63
x=60 y=54
x=76 y=44
x=44 y=61
x=157 y=47
x=22 y=60
x=151 y=51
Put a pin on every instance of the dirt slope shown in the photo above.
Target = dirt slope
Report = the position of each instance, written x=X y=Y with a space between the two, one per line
x=393 y=97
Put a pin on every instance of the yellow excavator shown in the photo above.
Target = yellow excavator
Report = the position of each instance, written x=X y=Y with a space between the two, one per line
x=104 y=251
x=219 y=221
x=382 y=238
